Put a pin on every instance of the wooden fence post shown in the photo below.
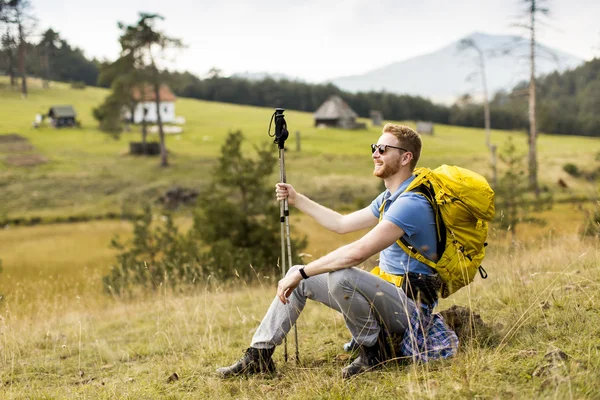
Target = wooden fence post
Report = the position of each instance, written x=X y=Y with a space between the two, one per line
x=298 y=141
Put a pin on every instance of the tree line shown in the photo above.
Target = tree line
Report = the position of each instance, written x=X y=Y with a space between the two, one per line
x=47 y=56
x=567 y=104
x=566 y=101
x=303 y=96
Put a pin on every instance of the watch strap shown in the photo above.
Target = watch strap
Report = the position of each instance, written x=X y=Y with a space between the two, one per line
x=304 y=276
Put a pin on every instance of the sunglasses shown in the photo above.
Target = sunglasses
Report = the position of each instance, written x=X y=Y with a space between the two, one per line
x=383 y=147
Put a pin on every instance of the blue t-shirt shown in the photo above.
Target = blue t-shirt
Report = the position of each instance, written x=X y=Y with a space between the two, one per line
x=413 y=213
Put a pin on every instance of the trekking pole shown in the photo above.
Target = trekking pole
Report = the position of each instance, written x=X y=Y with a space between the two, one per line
x=281 y=134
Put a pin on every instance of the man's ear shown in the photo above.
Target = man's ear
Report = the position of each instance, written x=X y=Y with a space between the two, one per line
x=407 y=157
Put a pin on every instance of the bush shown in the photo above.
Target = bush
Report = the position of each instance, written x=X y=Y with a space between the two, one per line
x=591 y=225
x=514 y=199
x=236 y=232
x=238 y=216
x=157 y=255
x=108 y=115
x=571 y=169
x=77 y=85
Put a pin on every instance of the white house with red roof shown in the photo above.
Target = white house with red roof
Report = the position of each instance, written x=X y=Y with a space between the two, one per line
x=145 y=100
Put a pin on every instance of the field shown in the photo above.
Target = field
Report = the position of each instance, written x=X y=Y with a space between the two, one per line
x=89 y=174
x=61 y=337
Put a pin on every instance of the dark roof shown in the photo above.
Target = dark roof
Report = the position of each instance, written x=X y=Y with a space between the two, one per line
x=335 y=108
x=62 y=112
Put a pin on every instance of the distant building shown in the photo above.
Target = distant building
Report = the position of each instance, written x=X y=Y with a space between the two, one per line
x=376 y=117
x=335 y=112
x=146 y=104
x=424 y=127
x=62 y=116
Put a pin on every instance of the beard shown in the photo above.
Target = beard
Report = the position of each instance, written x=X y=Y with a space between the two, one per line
x=387 y=170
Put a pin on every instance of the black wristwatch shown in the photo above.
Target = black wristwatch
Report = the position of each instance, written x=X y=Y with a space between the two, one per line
x=304 y=276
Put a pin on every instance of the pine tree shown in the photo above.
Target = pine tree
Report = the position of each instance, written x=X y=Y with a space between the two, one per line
x=235 y=232
x=239 y=218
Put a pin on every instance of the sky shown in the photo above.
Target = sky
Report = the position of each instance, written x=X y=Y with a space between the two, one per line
x=314 y=40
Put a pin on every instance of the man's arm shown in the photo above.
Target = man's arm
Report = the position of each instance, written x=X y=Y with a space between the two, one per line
x=326 y=217
x=377 y=239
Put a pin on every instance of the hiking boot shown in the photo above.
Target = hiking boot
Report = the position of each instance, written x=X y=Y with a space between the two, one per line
x=254 y=361
x=351 y=346
x=368 y=358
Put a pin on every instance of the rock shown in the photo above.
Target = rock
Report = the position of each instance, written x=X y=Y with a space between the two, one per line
x=556 y=355
x=553 y=361
x=544 y=305
x=466 y=323
x=173 y=378
x=178 y=196
x=541 y=370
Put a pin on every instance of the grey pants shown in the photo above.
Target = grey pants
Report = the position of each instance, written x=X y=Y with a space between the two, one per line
x=365 y=301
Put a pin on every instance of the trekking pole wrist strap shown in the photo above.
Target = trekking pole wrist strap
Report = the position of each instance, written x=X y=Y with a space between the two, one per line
x=304 y=276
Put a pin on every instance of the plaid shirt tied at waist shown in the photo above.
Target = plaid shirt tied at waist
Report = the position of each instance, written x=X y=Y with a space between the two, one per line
x=427 y=336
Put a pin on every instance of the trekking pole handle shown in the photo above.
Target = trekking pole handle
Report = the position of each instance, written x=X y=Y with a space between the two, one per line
x=281 y=133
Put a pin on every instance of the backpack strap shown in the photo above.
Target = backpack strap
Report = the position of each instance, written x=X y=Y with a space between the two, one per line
x=414 y=253
x=426 y=191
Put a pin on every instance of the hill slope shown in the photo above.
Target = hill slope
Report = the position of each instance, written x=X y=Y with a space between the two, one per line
x=89 y=173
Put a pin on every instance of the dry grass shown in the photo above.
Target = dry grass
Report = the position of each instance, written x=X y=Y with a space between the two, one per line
x=60 y=337
x=57 y=342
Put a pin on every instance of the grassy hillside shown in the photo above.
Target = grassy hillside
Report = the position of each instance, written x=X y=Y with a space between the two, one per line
x=540 y=300
x=62 y=338
x=89 y=173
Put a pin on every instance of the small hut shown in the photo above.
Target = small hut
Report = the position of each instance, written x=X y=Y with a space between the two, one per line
x=335 y=112
x=376 y=117
x=62 y=116
x=425 y=127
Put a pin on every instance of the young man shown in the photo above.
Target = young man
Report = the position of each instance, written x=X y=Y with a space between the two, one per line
x=369 y=302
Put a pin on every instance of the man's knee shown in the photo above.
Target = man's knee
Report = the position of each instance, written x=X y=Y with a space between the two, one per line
x=341 y=280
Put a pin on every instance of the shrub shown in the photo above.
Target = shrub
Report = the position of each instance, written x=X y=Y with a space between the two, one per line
x=571 y=169
x=591 y=226
x=77 y=85
x=514 y=200
x=108 y=115
x=593 y=175
x=238 y=216
x=157 y=255
x=236 y=232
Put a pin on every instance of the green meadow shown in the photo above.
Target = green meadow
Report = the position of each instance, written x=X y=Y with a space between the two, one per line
x=62 y=338
x=89 y=173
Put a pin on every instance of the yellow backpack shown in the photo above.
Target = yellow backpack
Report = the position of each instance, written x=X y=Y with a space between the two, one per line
x=463 y=203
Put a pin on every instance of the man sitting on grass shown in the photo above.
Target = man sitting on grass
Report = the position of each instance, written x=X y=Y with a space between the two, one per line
x=396 y=299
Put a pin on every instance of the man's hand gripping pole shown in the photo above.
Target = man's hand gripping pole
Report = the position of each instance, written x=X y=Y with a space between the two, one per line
x=281 y=135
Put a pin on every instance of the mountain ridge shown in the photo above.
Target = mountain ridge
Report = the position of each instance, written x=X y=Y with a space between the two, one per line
x=424 y=76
